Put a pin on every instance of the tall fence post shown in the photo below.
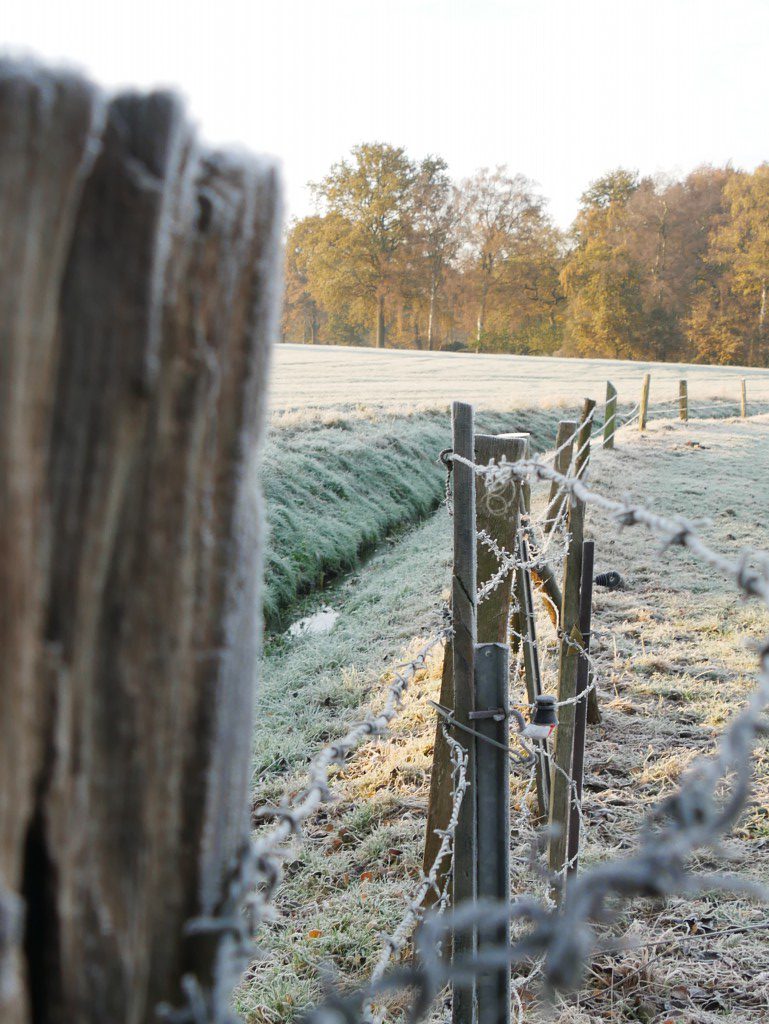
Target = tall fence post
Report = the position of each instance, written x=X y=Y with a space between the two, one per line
x=743 y=398
x=683 y=400
x=580 y=718
x=610 y=416
x=570 y=646
x=493 y=815
x=644 y=410
x=564 y=446
x=463 y=597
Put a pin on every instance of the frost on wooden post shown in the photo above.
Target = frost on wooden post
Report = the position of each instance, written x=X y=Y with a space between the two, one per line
x=146 y=309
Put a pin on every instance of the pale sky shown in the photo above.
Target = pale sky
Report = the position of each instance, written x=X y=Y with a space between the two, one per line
x=559 y=90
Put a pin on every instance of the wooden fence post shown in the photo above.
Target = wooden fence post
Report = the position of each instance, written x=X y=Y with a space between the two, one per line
x=491 y=625
x=567 y=674
x=580 y=718
x=564 y=445
x=683 y=401
x=463 y=602
x=500 y=520
x=138 y=305
x=743 y=398
x=643 y=412
x=610 y=416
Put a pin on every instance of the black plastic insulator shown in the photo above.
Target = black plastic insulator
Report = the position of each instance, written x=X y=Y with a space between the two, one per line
x=611 y=580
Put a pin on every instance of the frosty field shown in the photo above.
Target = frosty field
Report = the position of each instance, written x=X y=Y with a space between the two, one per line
x=323 y=377
x=675 y=664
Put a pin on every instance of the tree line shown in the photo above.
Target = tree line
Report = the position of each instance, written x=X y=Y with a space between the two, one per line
x=398 y=254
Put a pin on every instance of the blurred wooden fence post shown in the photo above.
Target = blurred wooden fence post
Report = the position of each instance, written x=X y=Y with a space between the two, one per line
x=644 y=410
x=146 y=308
x=610 y=416
x=743 y=398
x=683 y=401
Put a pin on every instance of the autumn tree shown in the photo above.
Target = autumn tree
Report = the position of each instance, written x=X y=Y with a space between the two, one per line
x=504 y=223
x=437 y=222
x=301 y=310
x=366 y=223
x=741 y=248
x=602 y=280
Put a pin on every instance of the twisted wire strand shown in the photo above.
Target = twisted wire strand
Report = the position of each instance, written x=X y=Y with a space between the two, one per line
x=269 y=851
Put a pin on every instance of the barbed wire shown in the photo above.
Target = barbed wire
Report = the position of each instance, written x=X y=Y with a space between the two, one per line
x=269 y=851
x=430 y=882
x=707 y=803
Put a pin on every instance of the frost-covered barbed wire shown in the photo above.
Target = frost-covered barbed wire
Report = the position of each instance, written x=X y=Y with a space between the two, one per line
x=696 y=816
x=673 y=530
x=269 y=850
x=437 y=880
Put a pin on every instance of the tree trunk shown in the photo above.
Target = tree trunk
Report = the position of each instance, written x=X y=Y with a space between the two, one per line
x=417 y=336
x=431 y=318
x=152 y=307
x=380 y=323
x=315 y=328
x=762 y=354
x=481 y=321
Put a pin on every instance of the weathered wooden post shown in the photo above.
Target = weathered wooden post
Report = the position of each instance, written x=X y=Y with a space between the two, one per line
x=564 y=446
x=138 y=302
x=683 y=401
x=610 y=416
x=501 y=523
x=580 y=718
x=571 y=643
x=497 y=515
x=643 y=412
x=463 y=601
x=743 y=398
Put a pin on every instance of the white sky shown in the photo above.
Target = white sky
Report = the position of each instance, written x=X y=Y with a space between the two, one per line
x=560 y=90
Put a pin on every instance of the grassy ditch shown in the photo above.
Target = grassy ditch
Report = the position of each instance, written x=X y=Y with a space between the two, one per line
x=336 y=485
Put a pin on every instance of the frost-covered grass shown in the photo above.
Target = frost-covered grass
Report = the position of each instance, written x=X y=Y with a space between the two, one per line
x=674 y=666
x=337 y=482
x=308 y=376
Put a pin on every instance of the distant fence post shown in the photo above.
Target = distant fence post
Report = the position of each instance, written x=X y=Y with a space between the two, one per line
x=743 y=398
x=493 y=814
x=564 y=446
x=531 y=668
x=463 y=597
x=580 y=719
x=644 y=410
x=569 y=657
x=683 y=401
x=610 y=416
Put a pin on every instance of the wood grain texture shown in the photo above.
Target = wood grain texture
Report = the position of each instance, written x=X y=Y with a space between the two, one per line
x=49 y=125
x=164 y=309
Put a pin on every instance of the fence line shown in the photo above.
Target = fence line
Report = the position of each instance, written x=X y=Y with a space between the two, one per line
x=561 y=937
